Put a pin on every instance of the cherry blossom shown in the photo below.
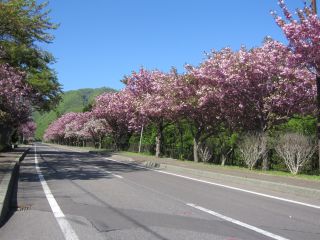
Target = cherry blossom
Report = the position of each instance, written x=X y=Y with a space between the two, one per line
x=115 y=109
x=27 y=130
x=15 y=96
x=152 y=100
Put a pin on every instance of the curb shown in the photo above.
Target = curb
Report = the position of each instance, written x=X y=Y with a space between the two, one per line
x=223 y=178
x=6 y=186
x=230 y=179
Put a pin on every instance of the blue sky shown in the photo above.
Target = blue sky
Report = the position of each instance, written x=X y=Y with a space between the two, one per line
x=100 y=41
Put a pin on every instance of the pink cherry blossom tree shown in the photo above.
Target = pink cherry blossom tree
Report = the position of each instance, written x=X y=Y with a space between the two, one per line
x=74 y=130
x=254 y=89
x=152 y=100
x=57 y=130
x=198 y=105
x=15 y=96
x=303 y=34
x=86 y=127
x=27 y=130
x=115 y=109
x=96 y=129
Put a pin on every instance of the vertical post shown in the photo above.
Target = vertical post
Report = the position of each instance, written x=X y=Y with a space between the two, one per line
x=314 y=10
x=140 y=139
x=318 y=116
x=314 y=6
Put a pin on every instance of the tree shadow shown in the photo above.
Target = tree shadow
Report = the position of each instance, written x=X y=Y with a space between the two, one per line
x=13 y=199
x=74 y=166
x=82 y=166
x=61 y=166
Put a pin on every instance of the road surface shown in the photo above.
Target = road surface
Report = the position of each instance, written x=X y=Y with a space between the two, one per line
x=70 y=195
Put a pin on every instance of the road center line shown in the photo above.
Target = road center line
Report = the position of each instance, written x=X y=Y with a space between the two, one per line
x=234 y=221
x=66 y=228
x=220 y=185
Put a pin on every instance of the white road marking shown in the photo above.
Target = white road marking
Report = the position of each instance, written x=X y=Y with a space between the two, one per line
x=218 y=184
x=66 y=228
x=234 y=221
x=115 y=175
x=221 y=185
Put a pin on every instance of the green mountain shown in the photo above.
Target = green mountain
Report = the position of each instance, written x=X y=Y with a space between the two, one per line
x=72 y=101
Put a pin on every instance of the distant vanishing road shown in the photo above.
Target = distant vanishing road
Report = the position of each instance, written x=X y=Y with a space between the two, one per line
x=70 y=195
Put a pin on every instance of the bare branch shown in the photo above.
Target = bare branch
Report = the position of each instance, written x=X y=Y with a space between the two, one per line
x=295 y=149
x=205 y=153
x=253 y=147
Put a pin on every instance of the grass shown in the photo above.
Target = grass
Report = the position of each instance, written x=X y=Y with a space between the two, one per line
x=268 y=172
x=288 y=174
x=136 y=154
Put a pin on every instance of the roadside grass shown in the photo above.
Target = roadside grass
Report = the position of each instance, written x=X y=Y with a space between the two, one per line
x=136 y=154
x=271 y=172
x=288 y=174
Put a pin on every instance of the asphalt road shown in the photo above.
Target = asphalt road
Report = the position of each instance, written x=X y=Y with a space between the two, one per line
x=69 y=195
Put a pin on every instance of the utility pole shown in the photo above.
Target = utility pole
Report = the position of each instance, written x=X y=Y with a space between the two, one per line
x=314 y=6
x=140 y=142
x=314 y=11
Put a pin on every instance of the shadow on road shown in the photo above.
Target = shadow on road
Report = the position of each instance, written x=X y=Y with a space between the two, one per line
x=74 y=166
x=62 y=166
x=13 y=200
x=8 y=158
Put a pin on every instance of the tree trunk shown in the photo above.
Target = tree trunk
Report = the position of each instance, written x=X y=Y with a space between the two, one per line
x=140 y=141
x=116 y=143
x=318 y=117
x=158 y=145
x=181 y=154
x=159 y=138
x=196 y=148
x=265 y=163
x=223 y=159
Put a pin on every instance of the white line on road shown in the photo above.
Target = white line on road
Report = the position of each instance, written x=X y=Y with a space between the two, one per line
x=66 y=228
x=221 y=185
x=217 y=184
x=234 y=221
x=115 y=175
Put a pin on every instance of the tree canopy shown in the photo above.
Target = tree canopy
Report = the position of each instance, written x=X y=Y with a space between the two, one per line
x=24 y=25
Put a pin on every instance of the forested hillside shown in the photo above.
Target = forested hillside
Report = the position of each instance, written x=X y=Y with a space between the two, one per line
x=72 y=101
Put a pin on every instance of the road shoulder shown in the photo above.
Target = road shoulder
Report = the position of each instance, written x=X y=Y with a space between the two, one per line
x=9 y=169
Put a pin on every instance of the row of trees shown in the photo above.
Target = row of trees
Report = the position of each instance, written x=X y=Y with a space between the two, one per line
x=77 y=129
x=249 y=90
x=26 y=80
